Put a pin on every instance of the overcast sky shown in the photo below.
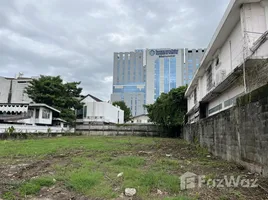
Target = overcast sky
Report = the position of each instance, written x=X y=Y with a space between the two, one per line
x=76 y=38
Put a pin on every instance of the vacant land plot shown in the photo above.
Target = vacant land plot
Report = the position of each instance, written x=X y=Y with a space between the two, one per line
x=88 y=168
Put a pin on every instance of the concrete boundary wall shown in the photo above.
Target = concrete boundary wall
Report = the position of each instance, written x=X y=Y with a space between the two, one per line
x=135 y=129
x=239 y=134
x=33 y=129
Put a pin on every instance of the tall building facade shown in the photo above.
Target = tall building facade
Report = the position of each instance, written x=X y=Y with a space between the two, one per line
x=169 y=68
x=192 y=61
x=129 y=80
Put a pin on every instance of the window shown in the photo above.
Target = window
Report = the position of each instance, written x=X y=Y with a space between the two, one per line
x=31 y=112
x=37 y=113
x=209 y=78
x=79 y=114
x=217 y=61
x=231 y=101
x=85 y=111
x=215 y=109
x=45 y=114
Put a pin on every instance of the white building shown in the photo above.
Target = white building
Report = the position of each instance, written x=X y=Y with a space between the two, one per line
x=97 y=111
x=129 y=80
x=227 y=68
x=164 y=69
x=18 y=110
x=169 y=68
x=12 y=90
x=140 y=119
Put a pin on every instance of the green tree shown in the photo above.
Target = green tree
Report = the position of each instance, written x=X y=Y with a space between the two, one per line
x=54 y=92
x=123 y=106
x=169 y=110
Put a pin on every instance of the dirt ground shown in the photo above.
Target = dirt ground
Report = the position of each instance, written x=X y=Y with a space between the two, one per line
x=169 y=156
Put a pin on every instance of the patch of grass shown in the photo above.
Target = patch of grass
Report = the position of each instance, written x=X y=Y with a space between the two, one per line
x=160 y=180
x=34 y=185
x=83 y=180
x=86 y=181
x=9 y=196
x=145 y=182
x=129 y=161
x=45 y=146
x=89 y=166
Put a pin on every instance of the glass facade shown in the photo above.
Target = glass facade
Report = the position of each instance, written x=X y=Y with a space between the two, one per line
x=156 y=79
x=166 y=75
x=129 y=88
x=193 y=59
x=169 y=75
x=173 y=72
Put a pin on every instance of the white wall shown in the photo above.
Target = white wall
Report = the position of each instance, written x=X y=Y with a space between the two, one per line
x=33 y=129
x=231 y=55
x=102 y=112
x=18 y=94
x=253 y=21
x=4 y=89
x=143 y=119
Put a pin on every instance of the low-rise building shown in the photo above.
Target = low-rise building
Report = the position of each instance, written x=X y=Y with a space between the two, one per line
x=140 y=119
x=97 y=111
x=18 y=110
x=234 y=62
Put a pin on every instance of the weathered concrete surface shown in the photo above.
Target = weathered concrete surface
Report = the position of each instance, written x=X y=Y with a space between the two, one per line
x=238 y=134
x=130 y=129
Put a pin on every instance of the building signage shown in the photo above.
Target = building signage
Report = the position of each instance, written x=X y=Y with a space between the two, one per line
x=163 y=52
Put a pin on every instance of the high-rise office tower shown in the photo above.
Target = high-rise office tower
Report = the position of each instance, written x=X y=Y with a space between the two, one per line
x=129 y=80
x=169 y=68
x=192 y=60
